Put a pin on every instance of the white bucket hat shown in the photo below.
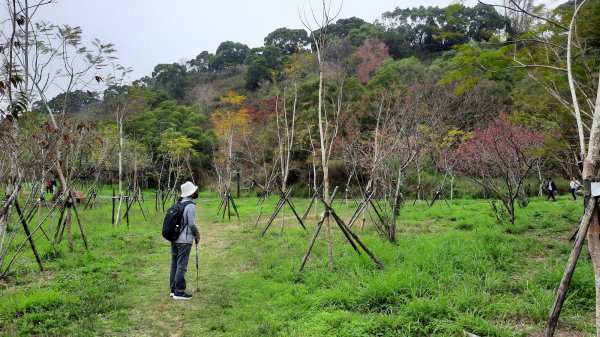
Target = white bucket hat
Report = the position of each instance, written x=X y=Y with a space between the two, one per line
x=187 y=189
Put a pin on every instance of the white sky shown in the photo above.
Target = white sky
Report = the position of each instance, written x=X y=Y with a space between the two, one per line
x=149 y=32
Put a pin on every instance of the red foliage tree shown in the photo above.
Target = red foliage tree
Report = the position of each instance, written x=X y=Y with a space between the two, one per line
x=499 y=158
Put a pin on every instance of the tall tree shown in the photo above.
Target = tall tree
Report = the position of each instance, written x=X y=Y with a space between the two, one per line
x=117 y=97
x=228 y=122
x=261 y=64
x=229 y=54
x=289 y=41
x=317 y=23
x=172 y=78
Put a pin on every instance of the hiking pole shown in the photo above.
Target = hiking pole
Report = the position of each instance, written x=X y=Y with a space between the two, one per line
x=197 y=288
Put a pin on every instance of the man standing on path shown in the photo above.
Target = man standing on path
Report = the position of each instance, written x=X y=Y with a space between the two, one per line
x=551 y=189
x=574 y=184
x=181 y=248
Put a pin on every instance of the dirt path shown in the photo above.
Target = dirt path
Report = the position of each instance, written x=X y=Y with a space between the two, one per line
x=154 y=313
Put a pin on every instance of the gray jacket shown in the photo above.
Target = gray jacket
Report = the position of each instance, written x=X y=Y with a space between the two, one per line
x=190 y=231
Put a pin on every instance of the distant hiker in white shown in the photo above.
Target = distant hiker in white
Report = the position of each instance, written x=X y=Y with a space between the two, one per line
x=181 y=247
x=575 y=185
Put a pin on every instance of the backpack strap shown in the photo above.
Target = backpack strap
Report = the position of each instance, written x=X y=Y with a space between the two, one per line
x=184 y=205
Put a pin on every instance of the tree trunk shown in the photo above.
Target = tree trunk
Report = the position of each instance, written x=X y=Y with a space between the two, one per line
x=579 y=121
x=589 y=168
x=451 y=187
x=540 y=181
x=120 y=172
x=419 y=180
x=324 y=161
x=593 y=236
x=511 y=210
x=229 y=158
x=396 y=209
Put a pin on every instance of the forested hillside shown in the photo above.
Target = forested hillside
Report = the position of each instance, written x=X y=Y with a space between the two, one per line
x=414 y=85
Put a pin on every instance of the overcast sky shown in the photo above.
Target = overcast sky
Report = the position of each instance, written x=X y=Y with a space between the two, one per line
x=149 y=32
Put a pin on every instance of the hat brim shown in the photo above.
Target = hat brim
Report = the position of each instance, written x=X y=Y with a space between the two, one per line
x=185 y=195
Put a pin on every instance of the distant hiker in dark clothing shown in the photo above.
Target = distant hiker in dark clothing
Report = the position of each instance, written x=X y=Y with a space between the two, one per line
x=575 y=185
x=551 y=189
x=181 y=248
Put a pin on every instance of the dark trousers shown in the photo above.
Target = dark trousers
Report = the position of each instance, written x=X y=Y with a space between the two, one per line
x=180 y=253
x=551 y=195
x=573 y=192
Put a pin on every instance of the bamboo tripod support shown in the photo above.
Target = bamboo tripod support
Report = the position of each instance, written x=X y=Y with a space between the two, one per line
x=352 y=238
x=29 y=236
x=226 y=204
x=64 y=222
x=285 y=198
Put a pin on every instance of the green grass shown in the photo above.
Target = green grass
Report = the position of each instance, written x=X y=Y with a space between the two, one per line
x=452 y=270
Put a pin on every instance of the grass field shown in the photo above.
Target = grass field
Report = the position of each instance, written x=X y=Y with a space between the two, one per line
x=452 y=270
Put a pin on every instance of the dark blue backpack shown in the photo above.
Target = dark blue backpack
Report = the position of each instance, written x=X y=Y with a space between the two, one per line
x=173 y=224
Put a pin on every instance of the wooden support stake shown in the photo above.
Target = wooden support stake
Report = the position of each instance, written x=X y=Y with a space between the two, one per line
x=561 y=294
x=277 y=209
x=356 y=214
x=60 y=219
x=343 y=228
x=113 y=207
x=376 y=212
x=221 y=204
x=259 y=215
x=127 y=207
x=89 y=199
x=312 y=200
x=354 y=236
x=296 y=214
x=228 y=206
x=29 y=237
x=83 y=237
x=225 y=205
x=68 y=224
x=312 y=241
x=128 y=204
x=141 y=208
x=234 y=206
x=32 y=213
x=63 y=225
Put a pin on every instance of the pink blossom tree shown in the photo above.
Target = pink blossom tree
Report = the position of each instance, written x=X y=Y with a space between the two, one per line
x=371 y=54
x=499 y=158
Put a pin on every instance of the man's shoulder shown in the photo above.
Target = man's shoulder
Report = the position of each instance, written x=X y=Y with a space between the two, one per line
x=188 y=204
